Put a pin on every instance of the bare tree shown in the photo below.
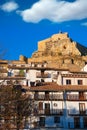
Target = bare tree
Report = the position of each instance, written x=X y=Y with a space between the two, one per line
x=15 y=108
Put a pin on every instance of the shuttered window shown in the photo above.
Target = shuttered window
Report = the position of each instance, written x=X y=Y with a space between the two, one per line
x=80 y=82
x=40 y=105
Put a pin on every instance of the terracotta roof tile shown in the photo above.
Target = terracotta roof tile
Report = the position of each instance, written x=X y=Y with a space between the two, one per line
x=55 y=87
x=10 y=78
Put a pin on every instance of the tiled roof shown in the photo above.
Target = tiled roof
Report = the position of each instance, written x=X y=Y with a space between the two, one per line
x=3 y=61
x=10 y=78
x=56 y=87
x=73 y=68
x=3 y=71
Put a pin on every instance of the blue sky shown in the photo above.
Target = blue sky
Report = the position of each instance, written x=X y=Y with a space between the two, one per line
x=25 y=22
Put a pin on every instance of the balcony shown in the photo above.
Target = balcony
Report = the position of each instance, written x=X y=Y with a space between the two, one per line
x=19 y=75
x=19 y=66
x=75 y=112
x=76 y=97
x=48 y=97
x=48 y=112
x=43 y=76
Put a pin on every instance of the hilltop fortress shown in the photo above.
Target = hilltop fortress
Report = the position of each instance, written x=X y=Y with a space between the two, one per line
x=59 y=51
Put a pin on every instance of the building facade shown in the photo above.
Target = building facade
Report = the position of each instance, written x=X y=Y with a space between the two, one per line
x=60 y=95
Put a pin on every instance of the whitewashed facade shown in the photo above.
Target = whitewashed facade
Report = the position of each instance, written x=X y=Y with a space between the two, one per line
x=60 y=95
x=63 y=105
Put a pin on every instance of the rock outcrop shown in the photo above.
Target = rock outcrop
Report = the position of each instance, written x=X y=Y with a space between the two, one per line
x=59 y=50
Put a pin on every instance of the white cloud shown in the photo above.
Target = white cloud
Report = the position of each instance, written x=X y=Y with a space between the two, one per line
x=84 y=24
x=55 y=11
x=9 y=6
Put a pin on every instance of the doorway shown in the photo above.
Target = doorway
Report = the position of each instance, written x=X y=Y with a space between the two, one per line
x=47 y=108
x=76 y=122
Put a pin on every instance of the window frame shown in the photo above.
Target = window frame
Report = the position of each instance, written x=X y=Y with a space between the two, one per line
x=68 y=81
x=80 y=82
x=56 y=119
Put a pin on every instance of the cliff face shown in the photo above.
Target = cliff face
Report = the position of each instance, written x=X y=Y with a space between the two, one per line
x=58 y=44
x=60 y=50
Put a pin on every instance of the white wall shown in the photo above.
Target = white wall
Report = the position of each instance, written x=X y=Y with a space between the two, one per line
x=84 y=68
x=73 y=106
x=31 y=75
x=74 y=81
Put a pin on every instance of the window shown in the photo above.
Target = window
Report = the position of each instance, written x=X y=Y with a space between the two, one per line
x=56 y=119
x=79 y=82
x=76 y=122
x=55 y=104
x=42 y=121
x=36 y=95
x=47 y=108
x=82 y=108
x=85 y=122
x=46 y=95
x=8 y=82
x=81 y=95
x=40 y=105
x=68 y=81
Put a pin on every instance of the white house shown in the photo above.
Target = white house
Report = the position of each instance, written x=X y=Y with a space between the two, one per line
x=62 y=104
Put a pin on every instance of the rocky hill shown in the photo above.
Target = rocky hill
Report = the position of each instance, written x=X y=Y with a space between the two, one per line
x=60 y=51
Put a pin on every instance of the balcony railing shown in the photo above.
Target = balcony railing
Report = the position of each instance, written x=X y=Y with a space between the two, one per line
x=76 y=97
x=19 y=66
x=48 y=97
x=69 y=97
x=43 y=76
x=48 y=112
x=74 y=112
x=19 y=75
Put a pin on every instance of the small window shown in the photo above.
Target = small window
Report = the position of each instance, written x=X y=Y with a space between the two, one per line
x=68 y=81
x=80 y=82
x=55 y=104
x=40 y=105
x=72 y=61
x=35 y=65
x=8 y=82
x=56 y=119
x=46 y=95
x=85 y=63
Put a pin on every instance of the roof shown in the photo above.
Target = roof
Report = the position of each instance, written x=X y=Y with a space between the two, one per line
x=55 y=87
x=3 y=71
x=3 y=61
x=36 y=68
x=75 y=75
x=11 y=78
